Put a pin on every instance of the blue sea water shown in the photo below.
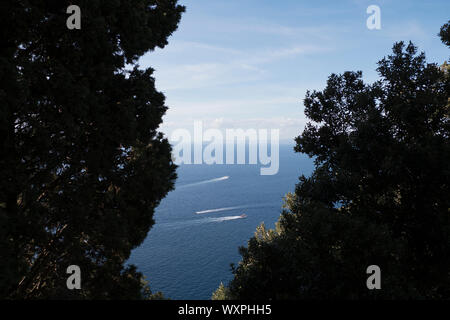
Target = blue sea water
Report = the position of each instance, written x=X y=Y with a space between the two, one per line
x=199 y=227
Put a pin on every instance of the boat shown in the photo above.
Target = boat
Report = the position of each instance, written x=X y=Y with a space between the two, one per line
x=243 y=215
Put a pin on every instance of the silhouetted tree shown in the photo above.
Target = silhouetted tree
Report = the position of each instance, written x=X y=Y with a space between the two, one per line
x=445 y=33
x=82 y=163
x=379 y=194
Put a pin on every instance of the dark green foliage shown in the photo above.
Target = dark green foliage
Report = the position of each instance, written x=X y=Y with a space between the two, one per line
x=445 y=33
x=379 y=195
x=82 y=164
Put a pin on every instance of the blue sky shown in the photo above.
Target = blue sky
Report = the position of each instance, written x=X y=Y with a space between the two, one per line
x=248 y=63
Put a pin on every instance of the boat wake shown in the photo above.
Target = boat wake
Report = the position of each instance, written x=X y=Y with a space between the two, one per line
x=260 y=205
x=243 y=216
x=219 y=210
x=194 y=222
x=203 y=182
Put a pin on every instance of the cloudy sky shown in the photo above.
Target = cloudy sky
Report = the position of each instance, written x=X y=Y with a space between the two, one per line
x=248 y=63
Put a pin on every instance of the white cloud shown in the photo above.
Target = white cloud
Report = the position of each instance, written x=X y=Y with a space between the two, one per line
x=202 y=75
x=289 y=127
x=241 y=66
x=229 y=83
x=410 y=30
x=236 y=106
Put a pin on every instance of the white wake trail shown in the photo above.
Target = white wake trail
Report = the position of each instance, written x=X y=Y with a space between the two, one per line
x=190 y=223
x=227 y=218
x=204 y=182
x=219 y=210
x=249 y=206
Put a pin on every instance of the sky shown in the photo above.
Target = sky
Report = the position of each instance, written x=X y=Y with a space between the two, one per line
x=248 y=63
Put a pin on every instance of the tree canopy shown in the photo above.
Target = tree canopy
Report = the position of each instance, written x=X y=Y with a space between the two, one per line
x=379 y=194
x=82 y=163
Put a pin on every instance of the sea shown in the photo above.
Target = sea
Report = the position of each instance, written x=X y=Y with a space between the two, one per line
x=200 y=225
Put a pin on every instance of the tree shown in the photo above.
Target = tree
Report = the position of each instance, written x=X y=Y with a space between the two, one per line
x=379 y=194
x=445 y=33
x=82 y=164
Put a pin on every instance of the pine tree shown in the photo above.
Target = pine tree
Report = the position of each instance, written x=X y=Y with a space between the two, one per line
x=379 y=194
x=82 y=164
